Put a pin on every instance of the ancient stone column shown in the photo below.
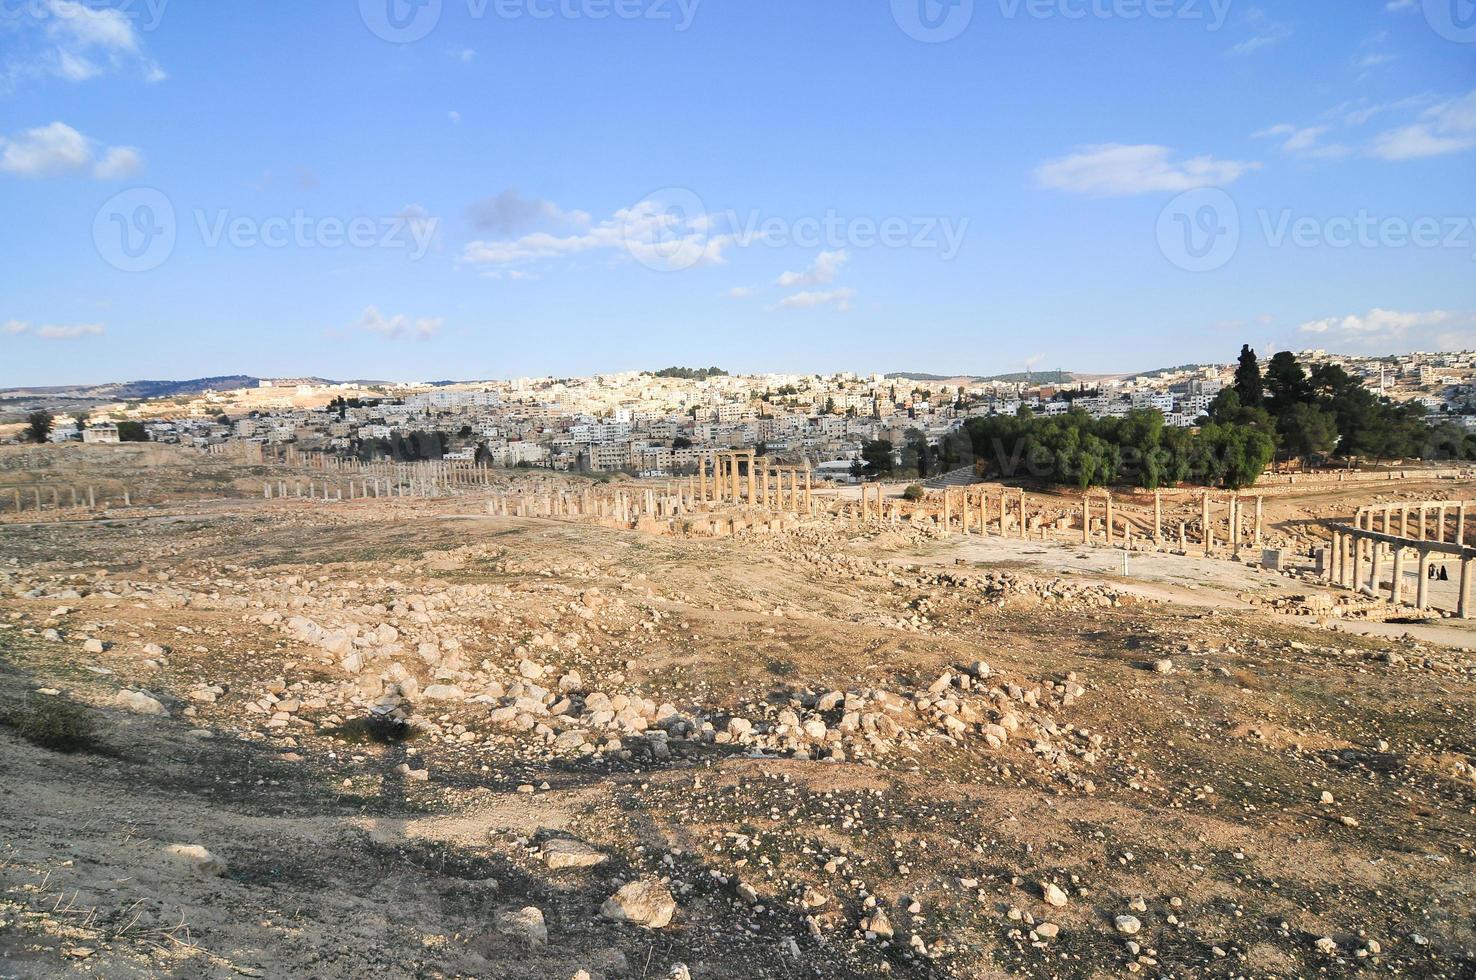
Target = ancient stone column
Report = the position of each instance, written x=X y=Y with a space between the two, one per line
x=1107 y=504
x=1460 y=534
x=1086 y=518
x=947 y=510
x=1024 y=523
x=1404 y=521
x=1396 y=592
x=1235 y=524
x=1440 y=527
x=1158 y=520
x=1463 y=608
x=737 y=489
x=1377 y=561
x=1183 y=538
x=1256 y=542
x=752 y=490
x=1422 y=591
x=1422 y=522
x=809 y=491
x=1208 y=534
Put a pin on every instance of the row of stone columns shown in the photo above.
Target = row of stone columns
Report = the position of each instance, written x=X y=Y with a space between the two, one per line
x=36 y=500
x=1357 y=562
x=765 y=483
x=1415 y=520
x=364 y=489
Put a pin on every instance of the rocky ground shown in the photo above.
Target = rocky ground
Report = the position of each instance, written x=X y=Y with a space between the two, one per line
x=280 y=739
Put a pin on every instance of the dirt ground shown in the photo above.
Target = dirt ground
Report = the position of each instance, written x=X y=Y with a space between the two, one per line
x=840 y=754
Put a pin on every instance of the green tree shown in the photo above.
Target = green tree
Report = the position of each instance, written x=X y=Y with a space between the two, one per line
x=1286 y=384
x=130 y=431
x=877 y=455
x=1308 y=430
x=38 y=426
x=1248 y=377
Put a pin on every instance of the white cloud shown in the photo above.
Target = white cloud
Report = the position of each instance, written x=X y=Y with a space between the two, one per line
x=1399 y=6
x=1383 y=330
x=455 y=117
x=1117 y=170
x=118 y=163
x=53 y=331
x=827 y=264
x=1448 y=127
x=840 y=299
x=1303 y=141
x=739 y=292
x=71 y=331
x=654 y=235
x=397 y=327
x=1266 y=33
x=78 y=41
x=55 y=149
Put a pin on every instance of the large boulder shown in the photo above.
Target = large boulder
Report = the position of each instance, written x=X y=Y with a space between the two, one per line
x=646 y=903
x=565 y=852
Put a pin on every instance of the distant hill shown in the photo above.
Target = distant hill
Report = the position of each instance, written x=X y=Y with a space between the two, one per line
x=130 y=390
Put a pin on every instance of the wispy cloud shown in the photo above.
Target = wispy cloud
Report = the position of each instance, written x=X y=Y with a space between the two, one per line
x=52 y=331
x=1118 y=170
x=827 y=264
x=1383 y=330
x=1265 y=33
x=654 y=235
x=398 y=327
x=839 y=299
x=57 y=149
x=77 y=41
x=1449 y=127
x=510 y=213
x=1304 y=141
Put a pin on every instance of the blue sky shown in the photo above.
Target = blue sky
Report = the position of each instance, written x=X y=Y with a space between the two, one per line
x=530 y=188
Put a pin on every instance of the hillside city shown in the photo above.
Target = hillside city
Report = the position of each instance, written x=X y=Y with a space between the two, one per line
x=663 y=423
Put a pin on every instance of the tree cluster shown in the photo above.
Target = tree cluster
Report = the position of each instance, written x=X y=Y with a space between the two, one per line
x=1075 y=449
x=1328 y=412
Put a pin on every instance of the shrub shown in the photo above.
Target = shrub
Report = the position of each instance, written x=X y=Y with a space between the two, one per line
x=914 y=493
x=56 y=724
